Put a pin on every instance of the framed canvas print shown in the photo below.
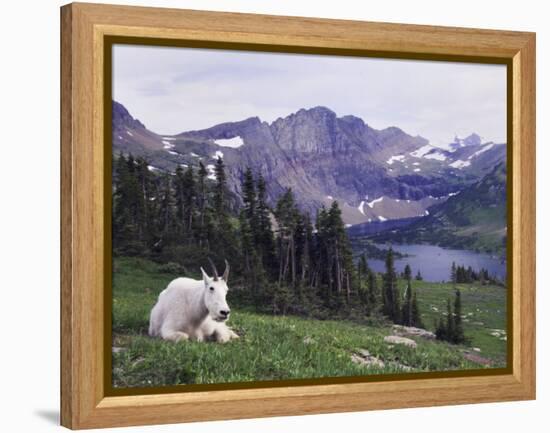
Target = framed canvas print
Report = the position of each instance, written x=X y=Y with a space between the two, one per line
x=270 y=216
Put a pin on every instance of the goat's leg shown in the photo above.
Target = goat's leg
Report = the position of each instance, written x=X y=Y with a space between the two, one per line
x=167 y=333
x=223 y=333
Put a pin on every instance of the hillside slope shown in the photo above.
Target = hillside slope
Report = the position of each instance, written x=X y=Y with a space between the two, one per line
x=286 y=347
x=475 y=218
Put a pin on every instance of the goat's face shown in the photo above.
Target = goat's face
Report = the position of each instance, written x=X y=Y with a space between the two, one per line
x=215 y=292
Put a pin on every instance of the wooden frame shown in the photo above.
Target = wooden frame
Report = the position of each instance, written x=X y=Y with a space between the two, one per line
x=84 y=403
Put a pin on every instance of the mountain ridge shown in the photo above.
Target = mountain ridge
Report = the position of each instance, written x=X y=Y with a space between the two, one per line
x=322 y=157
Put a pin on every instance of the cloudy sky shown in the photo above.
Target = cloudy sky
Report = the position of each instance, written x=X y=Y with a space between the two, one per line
x=172 y=90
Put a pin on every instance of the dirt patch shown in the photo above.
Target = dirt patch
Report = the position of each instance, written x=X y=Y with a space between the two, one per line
x=478 y=359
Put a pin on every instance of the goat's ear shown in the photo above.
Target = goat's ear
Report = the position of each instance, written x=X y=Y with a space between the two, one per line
x=205 y=276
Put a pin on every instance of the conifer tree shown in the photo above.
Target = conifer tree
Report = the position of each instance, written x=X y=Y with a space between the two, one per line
x=286 y=216
x=222 y=233
x=249 y=199
x=166 y=213
x=189 y=197
x=179 y=193
x=372 y=288
x=219 y=203
x=450 y=324
x=362 y=270
x=342 y=255
x=407 y=273
x=390 y=290
x=201 y=203
x=406 y=310
x=264 y=231
x=453 y=273
x=458 y=335
x=416 y=317
x=441 y=330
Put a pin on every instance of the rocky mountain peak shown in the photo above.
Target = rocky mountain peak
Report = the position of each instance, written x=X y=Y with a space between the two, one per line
x=471 y=140
x=122 y=118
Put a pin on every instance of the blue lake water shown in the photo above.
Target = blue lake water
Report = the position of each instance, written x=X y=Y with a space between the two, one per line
x=434 y=263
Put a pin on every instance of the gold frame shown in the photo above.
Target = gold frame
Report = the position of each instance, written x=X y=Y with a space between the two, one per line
x=85 y=398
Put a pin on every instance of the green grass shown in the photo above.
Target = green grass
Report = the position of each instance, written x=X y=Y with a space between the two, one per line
x=483 y=313
x=284 y=347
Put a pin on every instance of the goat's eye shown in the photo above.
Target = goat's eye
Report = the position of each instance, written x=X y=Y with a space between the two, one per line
x=211 y=289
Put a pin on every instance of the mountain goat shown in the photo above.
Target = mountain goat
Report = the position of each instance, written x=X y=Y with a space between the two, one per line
x=193 y=309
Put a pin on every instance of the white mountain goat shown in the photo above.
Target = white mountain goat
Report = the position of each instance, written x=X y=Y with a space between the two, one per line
x=193 y=309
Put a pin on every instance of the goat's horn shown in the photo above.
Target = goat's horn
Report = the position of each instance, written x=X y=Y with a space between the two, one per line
x=214 y=270
x=226 y=272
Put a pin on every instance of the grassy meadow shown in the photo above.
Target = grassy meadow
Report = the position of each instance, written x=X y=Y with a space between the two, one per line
x=288 y=347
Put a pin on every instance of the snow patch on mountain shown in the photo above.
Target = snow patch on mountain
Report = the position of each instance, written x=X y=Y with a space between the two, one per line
x=394 y=158
x=234 y=142
x=419 y=153
x=361 y=207
x=460 y=164
x=218 y=154
x=483 y=149
x=435 y=155
x=376 y=200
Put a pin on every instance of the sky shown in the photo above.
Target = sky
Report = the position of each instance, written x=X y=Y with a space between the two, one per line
x=172 y=90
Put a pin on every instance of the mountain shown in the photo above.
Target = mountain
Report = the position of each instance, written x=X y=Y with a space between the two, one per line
x=475 y=218
x=376 y=175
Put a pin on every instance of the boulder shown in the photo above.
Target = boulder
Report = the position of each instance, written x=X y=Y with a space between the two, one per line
x=395 y=339
x=412 y=331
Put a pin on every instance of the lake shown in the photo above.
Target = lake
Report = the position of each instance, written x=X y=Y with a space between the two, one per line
x=434 y=263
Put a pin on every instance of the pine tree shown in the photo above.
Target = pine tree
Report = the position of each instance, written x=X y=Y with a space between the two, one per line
x=458 y=335
x=222 y=231
x=203 y=217
x=390 y=290
x=441 y=330
x=219 y=203
x=166 y=218
x=286 y=215
x=372 y=289
x=148 y=192
x=189 y=196
x=342 y=254
x=416 y=316
x=179 y=196
x=362 y=270
x=406 y=310
x=453 y=273
x=264 y=232
x=407 y=273
x=249 y=199
x=418 y=276
x=129 y=222
x=450 y=324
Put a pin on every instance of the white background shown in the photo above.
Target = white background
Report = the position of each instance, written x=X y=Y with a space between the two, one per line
x=29 y=221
